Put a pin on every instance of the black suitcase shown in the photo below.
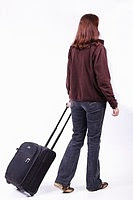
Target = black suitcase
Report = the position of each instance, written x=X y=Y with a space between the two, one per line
x=31 y=162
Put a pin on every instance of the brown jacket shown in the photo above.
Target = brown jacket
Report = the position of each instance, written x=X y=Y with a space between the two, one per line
x=88 y=77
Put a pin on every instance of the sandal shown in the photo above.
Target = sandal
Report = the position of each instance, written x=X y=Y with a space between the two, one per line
x=65 y=189
x=103 y=186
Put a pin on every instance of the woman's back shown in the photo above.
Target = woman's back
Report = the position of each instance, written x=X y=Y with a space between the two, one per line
x=88 y=77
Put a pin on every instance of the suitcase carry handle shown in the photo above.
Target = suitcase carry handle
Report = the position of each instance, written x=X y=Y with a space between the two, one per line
x=49 y=139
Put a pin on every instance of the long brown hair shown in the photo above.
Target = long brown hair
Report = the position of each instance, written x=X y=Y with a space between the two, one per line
x=87 y=31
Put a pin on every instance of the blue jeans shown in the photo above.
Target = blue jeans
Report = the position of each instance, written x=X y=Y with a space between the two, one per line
x=87 y=117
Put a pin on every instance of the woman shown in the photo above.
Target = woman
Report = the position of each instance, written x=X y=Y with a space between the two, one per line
x=89 y=88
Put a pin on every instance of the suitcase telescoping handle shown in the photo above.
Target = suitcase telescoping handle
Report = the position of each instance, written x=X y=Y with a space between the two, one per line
x=60 y=132
x=49 y=139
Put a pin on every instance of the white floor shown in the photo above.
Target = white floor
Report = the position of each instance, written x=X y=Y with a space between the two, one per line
x=116 y=165
x=119 y=175
x=46 y=191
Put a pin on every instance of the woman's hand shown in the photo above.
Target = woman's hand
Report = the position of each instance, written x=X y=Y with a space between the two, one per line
x=68 y=104
x=115 y=112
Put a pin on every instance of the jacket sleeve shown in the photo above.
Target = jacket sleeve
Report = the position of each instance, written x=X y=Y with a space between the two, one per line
x=103 y=76
x=68 y=71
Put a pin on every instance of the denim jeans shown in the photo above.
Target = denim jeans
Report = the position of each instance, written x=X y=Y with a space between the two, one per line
x=87 y=119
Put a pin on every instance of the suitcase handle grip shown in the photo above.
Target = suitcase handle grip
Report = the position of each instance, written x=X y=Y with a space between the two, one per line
x=49 y=139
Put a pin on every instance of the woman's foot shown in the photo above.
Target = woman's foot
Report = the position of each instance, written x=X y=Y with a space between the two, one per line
x=65 y=189
x=103 y=186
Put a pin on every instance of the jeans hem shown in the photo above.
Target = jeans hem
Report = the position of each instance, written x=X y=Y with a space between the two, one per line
x=56 y=181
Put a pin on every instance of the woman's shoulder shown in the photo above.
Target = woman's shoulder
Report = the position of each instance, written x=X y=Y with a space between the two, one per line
x=99 y=48
x=99 y=45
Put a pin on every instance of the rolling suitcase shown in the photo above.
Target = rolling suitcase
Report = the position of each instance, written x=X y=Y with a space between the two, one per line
x=31 y=162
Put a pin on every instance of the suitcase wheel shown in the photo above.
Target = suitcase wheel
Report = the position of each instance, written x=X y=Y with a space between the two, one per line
x=8 y=182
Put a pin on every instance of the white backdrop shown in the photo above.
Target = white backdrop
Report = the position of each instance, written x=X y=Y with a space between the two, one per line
x=35 y=36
